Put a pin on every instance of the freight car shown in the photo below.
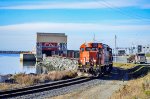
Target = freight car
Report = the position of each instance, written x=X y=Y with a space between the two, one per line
x=95 y=58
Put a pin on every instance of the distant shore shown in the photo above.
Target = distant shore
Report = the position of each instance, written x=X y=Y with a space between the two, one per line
x=13 y=52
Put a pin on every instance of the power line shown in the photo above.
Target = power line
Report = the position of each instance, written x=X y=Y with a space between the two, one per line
x=108 y=5
x=126 y=12
x=120 y=10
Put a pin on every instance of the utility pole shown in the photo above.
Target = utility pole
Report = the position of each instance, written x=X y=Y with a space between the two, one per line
x=94 y=38
x=115 y=48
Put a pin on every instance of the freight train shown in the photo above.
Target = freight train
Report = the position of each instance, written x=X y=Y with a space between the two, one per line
x=95 y=58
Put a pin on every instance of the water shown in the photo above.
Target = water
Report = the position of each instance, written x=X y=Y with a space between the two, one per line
x=10 y=64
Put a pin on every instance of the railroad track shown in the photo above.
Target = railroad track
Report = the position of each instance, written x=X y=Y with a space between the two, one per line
x=42 y=87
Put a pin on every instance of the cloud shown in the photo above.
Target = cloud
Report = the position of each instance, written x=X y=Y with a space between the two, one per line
x=76 y=5
x=22 y=36
x=44 y=27
x=146 y=6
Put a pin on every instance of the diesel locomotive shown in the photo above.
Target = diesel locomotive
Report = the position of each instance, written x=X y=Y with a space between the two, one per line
x=95 y=58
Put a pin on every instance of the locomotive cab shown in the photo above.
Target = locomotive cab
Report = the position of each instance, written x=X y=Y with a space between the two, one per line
x=91 y=54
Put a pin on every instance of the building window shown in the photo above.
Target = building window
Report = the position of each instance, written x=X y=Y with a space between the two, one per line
x=82 y=49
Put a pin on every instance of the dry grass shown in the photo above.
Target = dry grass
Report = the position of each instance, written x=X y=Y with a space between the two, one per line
x=6 y=86
x=22 y=80
x=124 y=65
x=25 y=79
x=57 y=75
x=135 y=89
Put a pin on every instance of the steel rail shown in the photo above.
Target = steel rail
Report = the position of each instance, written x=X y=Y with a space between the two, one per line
x=42 y=87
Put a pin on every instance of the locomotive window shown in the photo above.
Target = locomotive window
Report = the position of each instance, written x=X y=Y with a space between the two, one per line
x=82 y=49
x=107 y=48
x=88 y=48
x=94 y=49
x=110 y=50
x=94 y=44
x=100 y=50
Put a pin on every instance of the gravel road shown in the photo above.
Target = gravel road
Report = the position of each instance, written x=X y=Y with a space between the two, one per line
x=103 y=89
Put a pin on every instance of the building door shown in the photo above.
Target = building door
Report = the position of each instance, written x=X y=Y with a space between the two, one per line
x=47 y=52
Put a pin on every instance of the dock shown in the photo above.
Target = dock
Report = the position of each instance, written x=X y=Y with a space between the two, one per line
x=27 y=57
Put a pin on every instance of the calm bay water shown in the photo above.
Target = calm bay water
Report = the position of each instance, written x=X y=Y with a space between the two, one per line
x=10 y=64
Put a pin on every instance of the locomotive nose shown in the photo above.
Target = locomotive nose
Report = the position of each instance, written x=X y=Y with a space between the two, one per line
x=93 y=56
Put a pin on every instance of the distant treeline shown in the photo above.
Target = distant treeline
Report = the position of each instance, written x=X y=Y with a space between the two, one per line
x=13 y=52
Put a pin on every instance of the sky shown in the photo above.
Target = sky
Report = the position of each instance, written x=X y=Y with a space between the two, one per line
x=80 y=20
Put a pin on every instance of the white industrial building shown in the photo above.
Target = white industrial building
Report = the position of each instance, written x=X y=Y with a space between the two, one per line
x=140 y=49
x=51 y=44
x=133 y=50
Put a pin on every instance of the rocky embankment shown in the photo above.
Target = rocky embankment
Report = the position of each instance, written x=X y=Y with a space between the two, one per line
x=50 y=69
x=57 y=63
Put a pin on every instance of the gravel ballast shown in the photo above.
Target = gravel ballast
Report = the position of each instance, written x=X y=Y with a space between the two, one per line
x=64 y=90
x=103 y=85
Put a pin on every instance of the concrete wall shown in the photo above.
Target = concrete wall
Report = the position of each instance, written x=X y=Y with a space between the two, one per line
x=27 y=57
